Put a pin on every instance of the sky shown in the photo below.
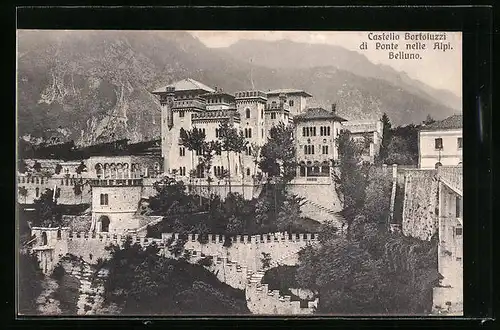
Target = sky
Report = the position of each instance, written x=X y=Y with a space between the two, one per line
x=437 y=68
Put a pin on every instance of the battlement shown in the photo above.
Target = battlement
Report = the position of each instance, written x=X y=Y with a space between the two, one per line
x=250 y=94
x=216 y=115
x=196 y=103
x=262 y=238
x=276 y=107
x=115 y=182
x=261 y=300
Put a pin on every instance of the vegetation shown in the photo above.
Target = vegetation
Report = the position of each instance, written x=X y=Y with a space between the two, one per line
x=47 y=214
x=278 y=153
x=351 y=177
x=369 y=271
x=144 y=283
x=400 y=144
x=29 y=285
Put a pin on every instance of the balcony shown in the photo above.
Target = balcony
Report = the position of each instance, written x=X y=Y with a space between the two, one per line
x=452 y=176
x=216 y=115
x=197 y=103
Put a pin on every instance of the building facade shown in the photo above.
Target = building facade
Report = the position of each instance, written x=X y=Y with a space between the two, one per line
x=363 y=129
x=448 y=297
x=441 y=143
x=316 y=131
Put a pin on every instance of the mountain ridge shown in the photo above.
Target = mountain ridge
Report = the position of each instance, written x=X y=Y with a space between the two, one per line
x=95 y=86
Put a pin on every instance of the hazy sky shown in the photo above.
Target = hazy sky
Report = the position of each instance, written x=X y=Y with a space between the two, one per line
x=436 y=68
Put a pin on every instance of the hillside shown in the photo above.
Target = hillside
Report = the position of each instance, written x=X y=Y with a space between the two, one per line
x=93 y=86
x=289 y=54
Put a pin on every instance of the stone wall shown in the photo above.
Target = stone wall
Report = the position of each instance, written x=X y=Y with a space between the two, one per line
x=77 y=223
x=260 y=300
x=420 y=204
x=66 y=193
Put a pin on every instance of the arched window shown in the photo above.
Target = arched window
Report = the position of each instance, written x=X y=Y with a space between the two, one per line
x=248 y=171
x=37 y=192
x=247 y=111
x=438 y=164
x=44 y=238
x=59 y=234
x=104 y=220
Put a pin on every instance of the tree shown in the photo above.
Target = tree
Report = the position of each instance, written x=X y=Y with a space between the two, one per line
x=47 y=213
x=23 y=192
x=289 y=216
x=351 y=177
x=378 y=197
x=58 y=169
x=255 y=155
x=428 y=120
x=168 y=192
x=193 y=140
x=37 y=166
x=398 y=152
x=29 y=286
x=81 y=168
x=386 y=137
x=210 y=149
x=278 y=153
x=21 y=166
x=231 y=141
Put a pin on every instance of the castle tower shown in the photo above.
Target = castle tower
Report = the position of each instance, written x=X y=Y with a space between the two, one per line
x=114 y=204
x=49 y=246
x=178 y=102
x=167 y=123
x=251 y=105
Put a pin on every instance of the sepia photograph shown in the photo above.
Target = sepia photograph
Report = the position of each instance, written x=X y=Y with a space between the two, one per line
x=239 y=173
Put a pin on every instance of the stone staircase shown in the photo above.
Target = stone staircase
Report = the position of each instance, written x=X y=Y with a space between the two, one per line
x=262 y=301
x=321 y=213
x=91 y=293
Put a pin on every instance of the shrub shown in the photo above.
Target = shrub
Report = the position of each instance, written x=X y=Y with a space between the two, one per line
x=58 y=272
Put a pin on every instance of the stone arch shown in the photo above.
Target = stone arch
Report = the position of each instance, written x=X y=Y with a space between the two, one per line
x=113 y=170
x=325 y=168
x=247 y=113
x=44 y=238
x=59 y=234
x=104 y=223
x=106 y=170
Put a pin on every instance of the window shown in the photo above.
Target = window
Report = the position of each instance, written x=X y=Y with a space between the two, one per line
x=458 y=231
x=325 y=150
x=59 y=234
x=199 y=152
x=304 y=131
x=458 y=212
x=37 y=192
x=309 y=150
x=218 y=152
x=216 y=132
x=314 y=131
x=182 y=151
x=248 y=132
x=290 y=103
x=247 y=111
x=438 y=143
x=261 y=113
x=459 y=142
x=182 y=171
x=248 y=151
x=328 y=130
x=104 y=199
x=104 y=224
x=181 y=113
x=248 y=171
x=273 y=115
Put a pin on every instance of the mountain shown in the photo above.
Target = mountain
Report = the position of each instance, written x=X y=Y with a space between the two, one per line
x=94 y=86
x=289 y=54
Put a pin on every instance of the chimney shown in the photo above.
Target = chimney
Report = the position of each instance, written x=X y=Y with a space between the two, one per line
x=334 y=108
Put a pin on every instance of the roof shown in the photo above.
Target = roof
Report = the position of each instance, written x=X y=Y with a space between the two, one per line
x=452 y=122
x=289 y=91
x=318 y=113
x=186 y=85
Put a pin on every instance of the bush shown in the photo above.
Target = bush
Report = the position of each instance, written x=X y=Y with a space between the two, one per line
x=207 y=262
x=58 y=272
